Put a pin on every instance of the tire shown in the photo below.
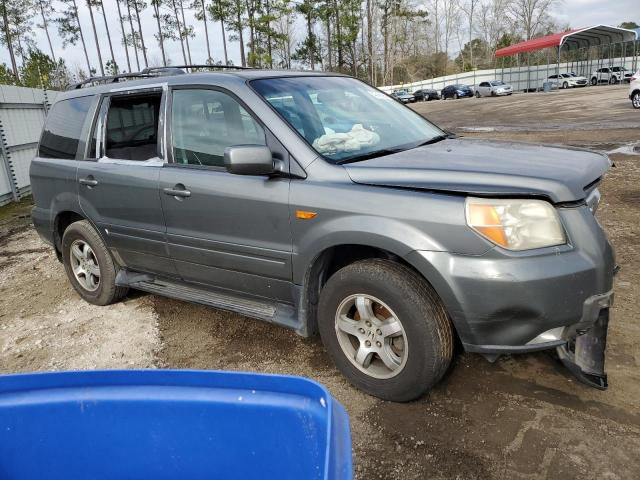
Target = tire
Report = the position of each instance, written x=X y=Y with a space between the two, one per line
x=565 y=85
x=477 y=94
x=77 y=237
x=613 y=81
x=594 y=81
x=393 y=291
x=455 y=96
x=635 y=99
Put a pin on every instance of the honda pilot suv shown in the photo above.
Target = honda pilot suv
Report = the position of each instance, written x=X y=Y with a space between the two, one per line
x=316 y=202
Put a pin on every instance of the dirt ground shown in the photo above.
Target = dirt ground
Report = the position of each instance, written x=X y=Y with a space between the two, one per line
x=522 y=417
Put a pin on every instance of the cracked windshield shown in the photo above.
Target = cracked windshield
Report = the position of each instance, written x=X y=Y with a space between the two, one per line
x=346 y=120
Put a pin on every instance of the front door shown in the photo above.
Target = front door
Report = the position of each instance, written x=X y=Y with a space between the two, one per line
x=223 y=230
x=118 y=182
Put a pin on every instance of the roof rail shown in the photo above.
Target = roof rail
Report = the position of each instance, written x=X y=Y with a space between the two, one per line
x=150 y=72
x=214 y=67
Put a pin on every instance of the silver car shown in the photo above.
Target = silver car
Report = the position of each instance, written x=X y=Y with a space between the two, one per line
x=493 y=88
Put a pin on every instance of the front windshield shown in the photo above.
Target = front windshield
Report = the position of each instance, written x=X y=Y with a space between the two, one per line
x=344 y=119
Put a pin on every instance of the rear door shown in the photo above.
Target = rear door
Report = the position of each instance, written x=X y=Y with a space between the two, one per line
x=118 y=181
x=224 y=230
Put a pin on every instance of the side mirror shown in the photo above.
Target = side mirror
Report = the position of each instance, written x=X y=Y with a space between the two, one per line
x=249 y=160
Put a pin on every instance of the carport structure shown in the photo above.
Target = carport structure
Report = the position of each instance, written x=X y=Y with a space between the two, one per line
x=584 y=50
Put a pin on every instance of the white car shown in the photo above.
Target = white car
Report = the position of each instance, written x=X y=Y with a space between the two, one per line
x=634 y=90
x=567 y=80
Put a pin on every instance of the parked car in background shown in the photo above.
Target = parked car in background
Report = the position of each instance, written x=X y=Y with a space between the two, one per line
x=571 y=80
x=623 y=74
x=610 y=75
x=493 y=88
x=634 y=89
x=403 y=96
x=426 y=94
x=456 y=91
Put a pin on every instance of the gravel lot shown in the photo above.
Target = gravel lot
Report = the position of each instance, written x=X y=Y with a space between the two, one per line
x=522 y=417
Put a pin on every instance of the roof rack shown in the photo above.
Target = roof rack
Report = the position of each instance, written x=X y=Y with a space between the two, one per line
x=150 y=72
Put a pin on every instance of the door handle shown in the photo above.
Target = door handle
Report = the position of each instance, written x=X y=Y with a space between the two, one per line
x=177 y=192
x=89 y=181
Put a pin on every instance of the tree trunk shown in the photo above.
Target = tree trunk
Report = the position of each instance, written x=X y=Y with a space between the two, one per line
x=124 y=36
x=186 y=35
x=224 y=42
x=175 y=12
x=9 y=41
x=46 y=30
x=329 y=49
x=370 y=40
x=206 y=30
x=95 y=36
x=242 y=55
x=156 y=8
x=144 y=49
x=84 y=45
x=269 y=47
x=133 y=35
x=312 y=56
x=106 y=27
x=338 y=36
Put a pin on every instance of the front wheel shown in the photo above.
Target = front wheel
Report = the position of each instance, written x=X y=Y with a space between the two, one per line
x=455 y=96
x=89 y=265
x=385 y=329
x=565 y=85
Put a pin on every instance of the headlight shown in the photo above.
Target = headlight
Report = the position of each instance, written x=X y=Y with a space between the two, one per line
x=515 y=224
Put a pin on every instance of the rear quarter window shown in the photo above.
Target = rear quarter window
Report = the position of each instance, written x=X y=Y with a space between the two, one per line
x=63 y=127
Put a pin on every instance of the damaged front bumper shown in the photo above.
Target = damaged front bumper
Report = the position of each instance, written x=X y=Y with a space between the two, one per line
x=584 y=351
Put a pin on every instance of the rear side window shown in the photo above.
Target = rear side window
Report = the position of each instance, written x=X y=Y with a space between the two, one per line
x=62 y=129
x=132 y=127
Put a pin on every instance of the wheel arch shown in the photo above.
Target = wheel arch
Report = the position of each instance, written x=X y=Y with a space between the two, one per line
x=334 y=257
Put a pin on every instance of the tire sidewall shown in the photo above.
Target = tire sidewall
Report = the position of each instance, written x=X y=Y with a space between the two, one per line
x=84 y=231
x=415 y=377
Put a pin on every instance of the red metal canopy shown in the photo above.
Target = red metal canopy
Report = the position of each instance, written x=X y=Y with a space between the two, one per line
x=577 y=38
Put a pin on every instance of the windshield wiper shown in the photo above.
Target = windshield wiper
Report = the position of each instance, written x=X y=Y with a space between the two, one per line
x=370 y=155
x=436 y=139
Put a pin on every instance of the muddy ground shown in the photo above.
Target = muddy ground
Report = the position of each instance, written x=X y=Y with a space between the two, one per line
x=522 y=417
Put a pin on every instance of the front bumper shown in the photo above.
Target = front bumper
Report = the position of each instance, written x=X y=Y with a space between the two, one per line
x=504 y=302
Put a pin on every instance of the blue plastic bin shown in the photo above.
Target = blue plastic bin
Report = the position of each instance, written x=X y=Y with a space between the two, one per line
x=169 y=424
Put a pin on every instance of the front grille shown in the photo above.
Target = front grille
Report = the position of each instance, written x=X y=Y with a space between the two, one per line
x=581 y=82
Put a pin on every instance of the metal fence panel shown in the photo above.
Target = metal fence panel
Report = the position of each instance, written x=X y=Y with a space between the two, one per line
x=22 y=114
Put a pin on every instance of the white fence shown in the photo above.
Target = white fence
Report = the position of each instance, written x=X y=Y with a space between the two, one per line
x=22 y=113
x=522 y=78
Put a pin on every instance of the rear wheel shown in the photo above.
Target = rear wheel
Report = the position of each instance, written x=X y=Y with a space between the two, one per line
x=386 y=329
x=477 y=94
x=89 y=265
x=455 y=96
x=594 y=81
x=613 y=80
x=635 y=99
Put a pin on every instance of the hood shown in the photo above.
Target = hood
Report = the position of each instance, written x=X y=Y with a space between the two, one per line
x=484 y=168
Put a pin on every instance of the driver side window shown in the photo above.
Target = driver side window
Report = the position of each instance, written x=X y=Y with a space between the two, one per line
x=205 y=122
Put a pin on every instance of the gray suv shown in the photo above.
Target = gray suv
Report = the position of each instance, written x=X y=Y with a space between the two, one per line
x=319 y=203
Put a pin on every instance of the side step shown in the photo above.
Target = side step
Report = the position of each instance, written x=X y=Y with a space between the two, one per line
x=268 y=310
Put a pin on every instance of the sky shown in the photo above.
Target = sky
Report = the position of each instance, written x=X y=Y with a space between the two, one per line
x=576 y=13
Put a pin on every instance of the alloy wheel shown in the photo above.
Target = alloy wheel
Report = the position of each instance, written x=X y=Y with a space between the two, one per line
x=84 y=265
x=371 y=336
x=636 y=100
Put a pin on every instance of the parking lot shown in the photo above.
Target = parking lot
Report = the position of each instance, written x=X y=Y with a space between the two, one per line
x=521 y=417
